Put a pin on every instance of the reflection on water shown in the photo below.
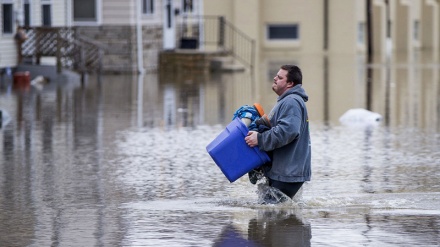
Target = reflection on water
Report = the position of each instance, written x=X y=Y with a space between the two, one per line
x=121 y=160
x=268 y=228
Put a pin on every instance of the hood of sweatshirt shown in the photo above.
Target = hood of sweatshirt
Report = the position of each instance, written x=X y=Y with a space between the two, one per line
x=298 y=90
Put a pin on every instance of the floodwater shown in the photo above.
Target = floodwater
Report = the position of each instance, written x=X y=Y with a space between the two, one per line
x=120 y=160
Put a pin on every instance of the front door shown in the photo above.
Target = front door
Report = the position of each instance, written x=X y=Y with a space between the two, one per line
x=169 y=32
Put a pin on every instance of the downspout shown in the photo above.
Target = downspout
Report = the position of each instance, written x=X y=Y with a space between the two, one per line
x=369 y=88
x=326 y=19
x=201 y=26
x=326 y=108
x=369 y=31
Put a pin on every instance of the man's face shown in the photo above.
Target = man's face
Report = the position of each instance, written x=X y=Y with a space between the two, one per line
x=280 y=84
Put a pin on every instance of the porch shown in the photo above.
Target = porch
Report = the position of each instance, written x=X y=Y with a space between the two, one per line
x=217 y=45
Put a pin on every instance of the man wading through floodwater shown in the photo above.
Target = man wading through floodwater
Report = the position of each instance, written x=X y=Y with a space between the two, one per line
x=289 y=137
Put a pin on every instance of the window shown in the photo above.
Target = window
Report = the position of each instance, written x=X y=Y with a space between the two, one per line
x=147 y=7
x=85 y=10
x=283 y=32
x=361 y=33
x=47 y=15
x=7 y=17
x=187 y=6
x=416 y=30
x=27 y=13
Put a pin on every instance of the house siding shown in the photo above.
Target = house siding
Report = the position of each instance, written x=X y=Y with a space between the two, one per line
x=7 y=52
x=7 y=44
x=59 y=12
x=35 y=13
x=116 y=12
x=343 y=26
x=308 y=15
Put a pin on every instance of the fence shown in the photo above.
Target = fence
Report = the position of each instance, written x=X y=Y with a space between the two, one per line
x=71 y=51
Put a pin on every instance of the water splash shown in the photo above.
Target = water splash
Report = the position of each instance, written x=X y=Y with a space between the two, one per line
x=271 y=195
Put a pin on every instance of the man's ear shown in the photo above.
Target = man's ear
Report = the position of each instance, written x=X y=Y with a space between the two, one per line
x=292 y=84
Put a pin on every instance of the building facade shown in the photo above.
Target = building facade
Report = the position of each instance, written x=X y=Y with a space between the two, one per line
x=26 y=12
x=293 y=26
x=334 y=27
x=112 y=23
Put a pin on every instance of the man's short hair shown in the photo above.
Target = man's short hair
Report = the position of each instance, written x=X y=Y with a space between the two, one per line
x=293 y=73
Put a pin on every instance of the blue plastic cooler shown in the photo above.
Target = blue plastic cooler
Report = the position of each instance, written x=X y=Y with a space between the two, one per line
x=231 y=153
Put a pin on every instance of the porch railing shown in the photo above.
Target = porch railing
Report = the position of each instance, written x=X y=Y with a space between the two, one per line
x=70 y=50
x=217 y=33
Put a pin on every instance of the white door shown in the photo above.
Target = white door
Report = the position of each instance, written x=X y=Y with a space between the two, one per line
x=169 y=32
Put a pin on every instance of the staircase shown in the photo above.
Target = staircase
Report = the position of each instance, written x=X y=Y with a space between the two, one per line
x=236 y=48
x=226 y=64
x=62 y=47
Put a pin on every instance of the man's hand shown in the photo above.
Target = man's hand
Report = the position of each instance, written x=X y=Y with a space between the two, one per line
x=252 y=139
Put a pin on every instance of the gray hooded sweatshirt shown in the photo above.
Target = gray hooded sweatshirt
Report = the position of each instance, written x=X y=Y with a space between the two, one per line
x=289 y=138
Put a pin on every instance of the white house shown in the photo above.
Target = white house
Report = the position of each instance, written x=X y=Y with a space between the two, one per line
x=110 y=22
x=29 y=13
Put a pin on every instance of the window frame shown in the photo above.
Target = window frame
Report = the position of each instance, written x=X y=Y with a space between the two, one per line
x=98 y=15
x=416 y=31
x=44 y=4
x=184 y=10
x=12 y=25
x=285 y=25
x=361 y=33
x=148 y=7
x=29 y=14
